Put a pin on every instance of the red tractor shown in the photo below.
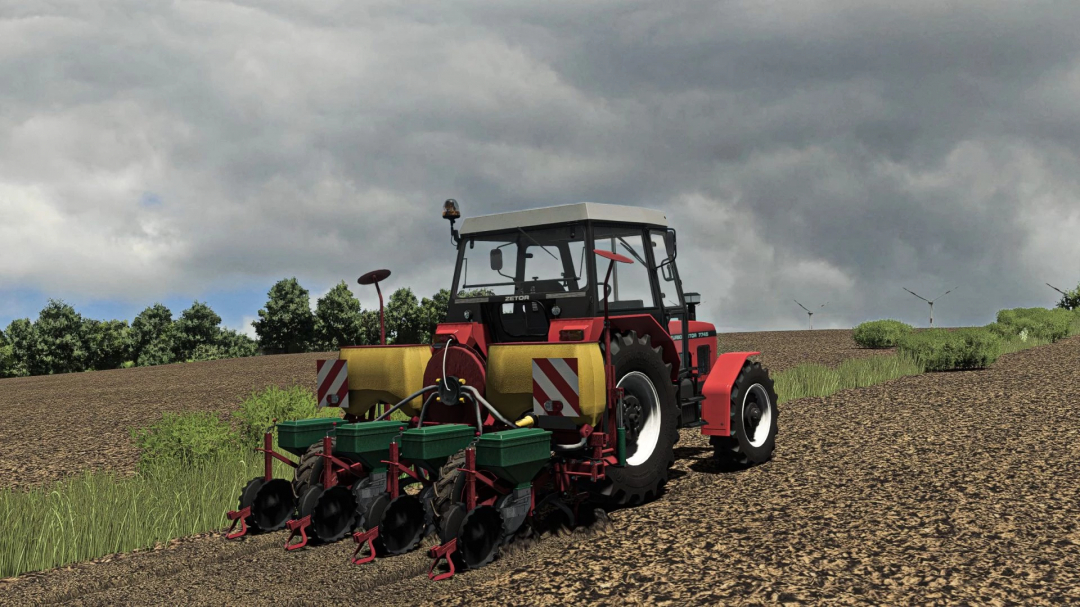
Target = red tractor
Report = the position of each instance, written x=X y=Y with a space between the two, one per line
x=569 y=359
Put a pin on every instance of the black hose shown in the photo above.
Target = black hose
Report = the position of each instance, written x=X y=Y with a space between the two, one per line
x=402 y=403
x=563 y=448
x=480 y=399
x=423 y=410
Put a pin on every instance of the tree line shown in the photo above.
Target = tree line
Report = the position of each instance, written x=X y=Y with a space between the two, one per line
x=61 y=340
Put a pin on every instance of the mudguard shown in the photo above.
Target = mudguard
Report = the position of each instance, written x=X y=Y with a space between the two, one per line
x=716 y=408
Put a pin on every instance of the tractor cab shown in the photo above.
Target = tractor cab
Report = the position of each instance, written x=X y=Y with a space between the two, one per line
x=517 y=272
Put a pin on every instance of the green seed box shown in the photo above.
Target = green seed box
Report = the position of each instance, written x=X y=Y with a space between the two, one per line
x=296 y=436
x=368 y=442
x=514 y=455
x=431 y=446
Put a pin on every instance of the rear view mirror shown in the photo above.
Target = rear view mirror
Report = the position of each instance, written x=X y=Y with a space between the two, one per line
x=669 y=241
x=496 y=260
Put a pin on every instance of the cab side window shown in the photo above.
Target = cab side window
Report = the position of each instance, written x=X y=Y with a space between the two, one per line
x=630 y=287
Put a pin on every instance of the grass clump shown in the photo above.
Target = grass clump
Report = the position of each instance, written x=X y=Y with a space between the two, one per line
x=184 y=439
x=1040 y=323
x=258 y=411
x=818 y=380
x=943 y=350
x=880 y=333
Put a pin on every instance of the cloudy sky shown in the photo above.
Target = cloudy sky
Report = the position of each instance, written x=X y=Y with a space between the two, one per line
x=824 y=150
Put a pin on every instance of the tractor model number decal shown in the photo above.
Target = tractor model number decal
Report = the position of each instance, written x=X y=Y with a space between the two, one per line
x=333 y=383
x=555 y=387
x=699 y=334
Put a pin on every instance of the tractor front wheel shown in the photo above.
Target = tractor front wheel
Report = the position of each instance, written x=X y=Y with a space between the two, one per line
x=753 y=419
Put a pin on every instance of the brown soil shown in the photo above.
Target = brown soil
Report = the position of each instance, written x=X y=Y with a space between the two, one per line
x=59 y=424
x=946 y=488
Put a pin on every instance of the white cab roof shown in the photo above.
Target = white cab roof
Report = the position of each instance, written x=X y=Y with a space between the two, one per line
x=561 y=214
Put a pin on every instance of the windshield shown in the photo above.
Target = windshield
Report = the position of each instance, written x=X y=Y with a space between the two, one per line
x=524 y=261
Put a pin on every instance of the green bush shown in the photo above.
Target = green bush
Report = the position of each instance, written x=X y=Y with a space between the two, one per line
x=942 y=349
x=184 y=439
x=880 y=333
x=257 y=413
x=1039 y=323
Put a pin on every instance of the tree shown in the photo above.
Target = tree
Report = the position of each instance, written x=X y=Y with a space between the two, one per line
x=197 y=326
x=434 y=312
x=337 y=319
x=286 y=325
x=107 y=343
x=227 y=344
x=404 y=319
x=7 y=357
x=21 y=338
x=369 y=328
x=59 y=347
x=151 y=336
x=237 y=345
x=1071 y=299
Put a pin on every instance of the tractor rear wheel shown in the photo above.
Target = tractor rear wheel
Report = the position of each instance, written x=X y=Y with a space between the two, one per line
x=650 y=416
x=309 y=471
x=448 y=489
x=753 y=419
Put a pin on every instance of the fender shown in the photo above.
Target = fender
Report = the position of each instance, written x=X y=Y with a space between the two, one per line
x=472 y=334
x=644 y=324
x=716 y=408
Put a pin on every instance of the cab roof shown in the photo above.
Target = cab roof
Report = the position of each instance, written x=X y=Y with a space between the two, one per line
x=566 y=213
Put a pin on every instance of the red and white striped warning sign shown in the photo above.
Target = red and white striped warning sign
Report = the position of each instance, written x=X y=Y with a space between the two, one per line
x=333 y=383
x=555 y=387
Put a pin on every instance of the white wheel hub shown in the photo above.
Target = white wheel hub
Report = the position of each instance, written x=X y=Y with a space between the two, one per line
x=757 y=415
x=640 y=448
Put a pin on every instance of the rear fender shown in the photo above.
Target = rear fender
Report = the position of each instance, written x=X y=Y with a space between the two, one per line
x=644 y=324
x=716 y=408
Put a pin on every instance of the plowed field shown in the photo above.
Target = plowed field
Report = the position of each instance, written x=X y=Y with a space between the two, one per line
x=947 y=488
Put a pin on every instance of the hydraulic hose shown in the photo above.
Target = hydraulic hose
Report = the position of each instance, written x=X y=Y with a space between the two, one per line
x=563 y=448
x=487 y=405
x=402 y=403
x=423 y=410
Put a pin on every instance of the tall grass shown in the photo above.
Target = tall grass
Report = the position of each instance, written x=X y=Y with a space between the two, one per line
x=94 y=514
x=818 y=380
x=191 y=470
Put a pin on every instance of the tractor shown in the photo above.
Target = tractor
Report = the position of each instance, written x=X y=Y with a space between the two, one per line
x=568 y=361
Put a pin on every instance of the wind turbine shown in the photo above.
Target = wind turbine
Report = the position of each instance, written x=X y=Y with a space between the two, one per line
x=809 y=312
x=929 y=301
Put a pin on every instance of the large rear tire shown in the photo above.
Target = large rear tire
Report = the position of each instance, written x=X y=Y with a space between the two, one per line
x=309 y=471
x=753 y=420
x=651 y=420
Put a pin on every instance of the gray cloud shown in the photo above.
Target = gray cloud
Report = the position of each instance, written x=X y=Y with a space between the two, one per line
x=817 y=150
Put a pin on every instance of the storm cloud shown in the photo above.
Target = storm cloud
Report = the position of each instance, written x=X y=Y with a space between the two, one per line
x=819 y=150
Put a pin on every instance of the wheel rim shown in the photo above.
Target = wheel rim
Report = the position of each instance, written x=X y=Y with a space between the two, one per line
x=757 y=415
x=640 y=447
